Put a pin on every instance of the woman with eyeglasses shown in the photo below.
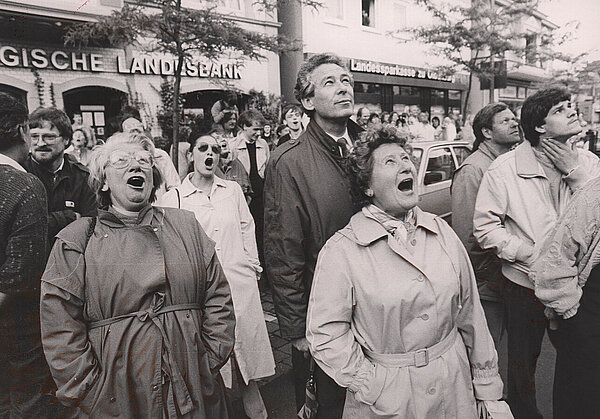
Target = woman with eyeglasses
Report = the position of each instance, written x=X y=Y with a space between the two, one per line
x=136 y=313
x=221 y=209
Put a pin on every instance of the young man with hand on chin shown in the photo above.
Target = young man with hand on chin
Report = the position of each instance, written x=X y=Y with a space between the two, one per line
x=521 y=196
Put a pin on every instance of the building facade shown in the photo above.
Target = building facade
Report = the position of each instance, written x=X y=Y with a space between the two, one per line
x=391 y=72
x=37 y=67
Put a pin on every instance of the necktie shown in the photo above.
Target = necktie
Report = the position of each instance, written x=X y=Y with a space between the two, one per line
x=343 y=145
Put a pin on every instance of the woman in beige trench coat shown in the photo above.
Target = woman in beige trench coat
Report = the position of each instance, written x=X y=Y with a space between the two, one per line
x=136 y=313
x=394 y=315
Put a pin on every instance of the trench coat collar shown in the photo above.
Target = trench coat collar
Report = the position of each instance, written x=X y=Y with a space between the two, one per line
x=187 y=188
x=111 y=219
x=526 y=163
x=367 y=230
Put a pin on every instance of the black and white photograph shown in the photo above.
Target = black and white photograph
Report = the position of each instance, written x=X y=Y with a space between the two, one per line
x=300 y=209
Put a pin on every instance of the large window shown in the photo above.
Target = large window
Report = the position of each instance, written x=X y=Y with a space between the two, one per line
x=438 y=104
x=399 y=16
x=369 y=95
x=454 y=101
x=404 y=96
x=368 y=13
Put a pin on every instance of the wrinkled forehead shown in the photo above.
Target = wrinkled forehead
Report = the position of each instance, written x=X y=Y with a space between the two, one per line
x=327 y=70
x=208 y=139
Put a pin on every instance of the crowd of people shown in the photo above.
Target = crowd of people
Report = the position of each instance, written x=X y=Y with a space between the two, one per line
x=416 y=125
x=130 y=287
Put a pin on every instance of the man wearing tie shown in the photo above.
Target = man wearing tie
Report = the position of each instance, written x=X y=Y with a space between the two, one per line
x=307 y=199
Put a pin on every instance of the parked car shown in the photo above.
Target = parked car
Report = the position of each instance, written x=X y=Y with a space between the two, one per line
x=436 y=163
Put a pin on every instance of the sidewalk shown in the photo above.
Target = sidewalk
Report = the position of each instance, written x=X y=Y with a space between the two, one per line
x=278 y=390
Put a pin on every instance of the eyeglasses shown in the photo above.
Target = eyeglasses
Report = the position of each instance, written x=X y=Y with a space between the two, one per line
x=48 y=138
x=203 y=148
x=121 y=160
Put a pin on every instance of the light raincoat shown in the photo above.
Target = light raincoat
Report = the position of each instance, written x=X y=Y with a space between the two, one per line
x=227 y=220
x=373 y=298
x=150 y=364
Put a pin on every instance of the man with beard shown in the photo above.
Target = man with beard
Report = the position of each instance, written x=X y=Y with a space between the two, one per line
x=307 y=199
x=65 y=180
x=25 y=382
x=521 y=196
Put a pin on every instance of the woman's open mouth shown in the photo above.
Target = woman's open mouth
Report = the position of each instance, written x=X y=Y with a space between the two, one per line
x=209 y=162
x=136 y=182
x=406 y=185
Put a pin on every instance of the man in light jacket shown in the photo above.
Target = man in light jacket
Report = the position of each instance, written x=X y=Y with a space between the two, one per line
x=519 y=201
x=496 y=131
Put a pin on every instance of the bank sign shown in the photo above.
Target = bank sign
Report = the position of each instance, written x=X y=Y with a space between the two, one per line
x=82 y=61
x=386 y=69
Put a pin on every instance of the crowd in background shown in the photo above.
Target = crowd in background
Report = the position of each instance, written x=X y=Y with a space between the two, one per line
x=145 y=310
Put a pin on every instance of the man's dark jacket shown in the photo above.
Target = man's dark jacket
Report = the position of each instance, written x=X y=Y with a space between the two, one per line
x=307 y=199
x=22 y=251
x=68 y=192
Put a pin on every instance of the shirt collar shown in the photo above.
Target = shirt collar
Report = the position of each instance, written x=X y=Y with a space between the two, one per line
x=111 y=217
x=187 y=188
x=488 y=150
x=526 y=163
x=4 y=159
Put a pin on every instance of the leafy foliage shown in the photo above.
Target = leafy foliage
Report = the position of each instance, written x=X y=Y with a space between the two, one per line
x=165 y=26
x=268 y=104
x=472 y=34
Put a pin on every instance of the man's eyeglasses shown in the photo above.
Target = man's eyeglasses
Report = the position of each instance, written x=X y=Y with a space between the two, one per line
x=121 y=160
x=203 y=148
x=48 y=138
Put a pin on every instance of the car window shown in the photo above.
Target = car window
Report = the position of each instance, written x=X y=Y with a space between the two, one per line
x=461 y=154
x=440 y=166
x=417 y=153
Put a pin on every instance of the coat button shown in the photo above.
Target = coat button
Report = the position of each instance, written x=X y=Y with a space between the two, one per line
x=155 y=387
x=413 y=242
x=420 y=278
x=425 y=317
x=155 y=229
x=113 y=399
x=106 y=235
x=431 y=391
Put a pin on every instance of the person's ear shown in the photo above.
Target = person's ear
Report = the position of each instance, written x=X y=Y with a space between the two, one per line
x=487 y=133
x=541 y=129
x=307 y=103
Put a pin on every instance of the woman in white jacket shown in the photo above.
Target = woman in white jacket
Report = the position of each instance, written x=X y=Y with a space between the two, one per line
x=221 y=209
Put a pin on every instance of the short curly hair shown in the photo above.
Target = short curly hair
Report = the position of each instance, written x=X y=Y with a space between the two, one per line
x=13 y=121
x=99 y=160
x=535 y=110
x=360 y=161
x=304 y=85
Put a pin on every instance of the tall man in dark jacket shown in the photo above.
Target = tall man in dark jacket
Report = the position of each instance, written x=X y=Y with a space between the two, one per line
x=307 y=199
x=25 y=381
x=65 y=180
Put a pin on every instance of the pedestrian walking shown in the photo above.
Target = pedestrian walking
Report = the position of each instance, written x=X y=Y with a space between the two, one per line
x=220 y=207
x=136 y=313
x=253 y=152
x=521 y=196
x=394 y=315
x=26 y=386
x=307 y=199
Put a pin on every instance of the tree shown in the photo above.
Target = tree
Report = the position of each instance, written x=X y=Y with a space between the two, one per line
x=165 y=26
x=476 y=37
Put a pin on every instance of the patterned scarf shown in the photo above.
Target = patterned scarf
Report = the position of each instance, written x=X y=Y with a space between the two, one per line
x=402 y=230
